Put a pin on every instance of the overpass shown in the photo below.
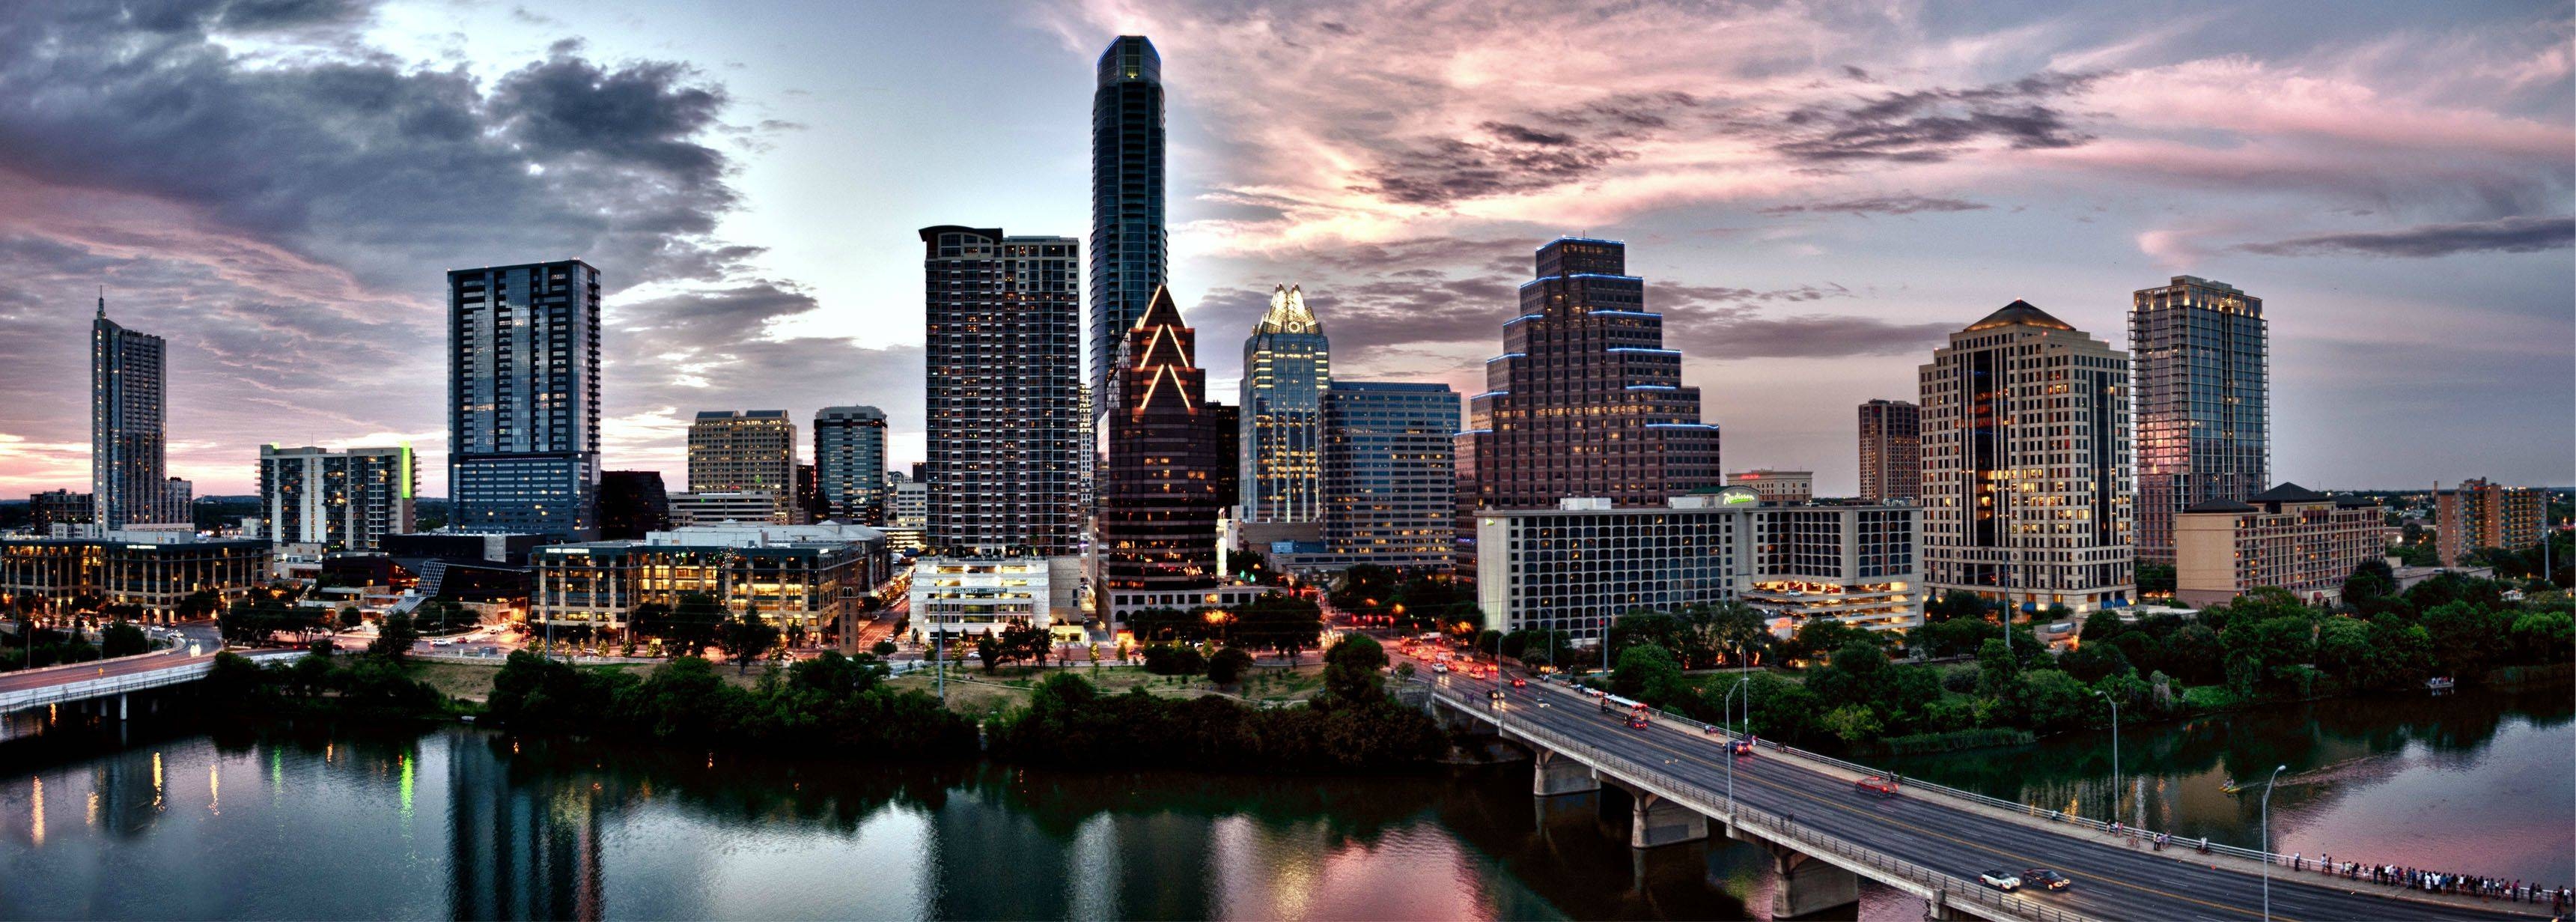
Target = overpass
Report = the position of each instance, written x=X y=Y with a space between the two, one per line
x=1824 y=834
x=105 y=679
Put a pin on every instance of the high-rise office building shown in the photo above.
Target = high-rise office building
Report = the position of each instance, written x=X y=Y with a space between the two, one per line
x=181 y=495
x=128 y=459
x=1128 y=242
x=2199 y=362
x=2481 y=514
x=1287 y=366
x=849 y=462
x=1585 y=400
x=340 y=500
x=1159 y=498
x=1891 y=451
x=1004 y=376
x=733 y=451
x=632 y=504
x=1389 y=476
x=2026 y=480
x=58 y=507
x=523 y=399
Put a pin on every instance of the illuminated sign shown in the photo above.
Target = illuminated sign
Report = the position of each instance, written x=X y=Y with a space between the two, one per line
x=1738 y=496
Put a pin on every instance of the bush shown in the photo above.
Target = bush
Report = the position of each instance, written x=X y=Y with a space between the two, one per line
x=1228 y=665
x=1174 y=659
x=832 y=705
x=123 y=639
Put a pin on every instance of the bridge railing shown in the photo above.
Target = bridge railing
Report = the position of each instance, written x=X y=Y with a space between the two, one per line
x=1952 y=889
x=103 y=686
x=2031 y=810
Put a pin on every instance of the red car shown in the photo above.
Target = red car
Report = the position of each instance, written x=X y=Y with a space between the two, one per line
x=1520 y=683
x=1637 y=722
x=1876 y=784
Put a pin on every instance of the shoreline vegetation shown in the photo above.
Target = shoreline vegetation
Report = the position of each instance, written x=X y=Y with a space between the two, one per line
x=2264 y=648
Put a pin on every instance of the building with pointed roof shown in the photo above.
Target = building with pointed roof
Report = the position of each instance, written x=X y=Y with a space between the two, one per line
x=2026 y=480
x=1287 y=366
x=2288 y=536
x=1160 y=495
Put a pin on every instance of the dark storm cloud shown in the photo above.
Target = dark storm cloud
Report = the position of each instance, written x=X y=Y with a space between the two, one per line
x=1545 y=149
x=1736 y=323
x=1882 y=204
x=1926 y=126
x=2504 y=235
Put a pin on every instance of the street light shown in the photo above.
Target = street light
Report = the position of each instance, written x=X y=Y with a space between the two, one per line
x=2267 y=840
x=1729 y=703
x=2115 y=753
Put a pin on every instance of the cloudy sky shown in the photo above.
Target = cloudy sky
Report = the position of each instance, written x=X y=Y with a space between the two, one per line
x=1817 y=193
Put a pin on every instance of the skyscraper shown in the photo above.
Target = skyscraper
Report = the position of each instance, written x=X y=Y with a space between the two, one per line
x=1128 y=243
x=1287 y=365
x=2026 y=464
x=734 y=451
x=1585 y=400
x=341 y=500
x=632 y=504
x=1389 y=485
x=1004 y=318
x=1891 y=451
x=849 y=462
x=523 y=399
x=2201 y=353
x=128 y=460
x=1160 y=498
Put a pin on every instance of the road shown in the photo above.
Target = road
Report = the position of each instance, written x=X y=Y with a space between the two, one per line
x=55 y=675
x=2111 y=882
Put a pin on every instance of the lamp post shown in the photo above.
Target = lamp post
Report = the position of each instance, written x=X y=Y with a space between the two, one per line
x=2267 y=840
x=2115 y=753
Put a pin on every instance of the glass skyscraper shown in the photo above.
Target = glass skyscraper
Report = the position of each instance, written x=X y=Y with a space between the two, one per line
x=2200 y=353
x=1287 y=366
x=1390 y=492
x=1128 y=242
x=849 y=462
x=128 y=444
x=1585 y=400
x=523 y=399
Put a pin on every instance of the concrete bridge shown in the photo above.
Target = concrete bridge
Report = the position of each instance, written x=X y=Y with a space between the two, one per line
x=1824 y=834
x=109 y=683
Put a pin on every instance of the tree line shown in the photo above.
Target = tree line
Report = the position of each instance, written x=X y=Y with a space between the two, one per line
x=831 y=705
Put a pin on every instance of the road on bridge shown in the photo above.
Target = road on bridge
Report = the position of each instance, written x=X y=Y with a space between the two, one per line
x=2110 y=881
x=57 y=675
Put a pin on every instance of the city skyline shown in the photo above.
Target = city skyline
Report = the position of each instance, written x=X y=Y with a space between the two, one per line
x=1812 y=223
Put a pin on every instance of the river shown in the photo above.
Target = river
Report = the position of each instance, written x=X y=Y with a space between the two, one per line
x=320 y=821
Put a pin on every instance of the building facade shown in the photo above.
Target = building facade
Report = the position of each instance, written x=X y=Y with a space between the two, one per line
x=1287 y=367
x=1891 y=451
x=2200 y=355
x=849 y=462
x=1129 y=245
x=735 y=451
x=1579 y=567
x=793 y=576
x=1389 y=481
x=739 y=507
x=58 y=507
x=1006 y=452
x=2481 y=514
x=1585 y=400
x=632 y=504
x=2288 y=536
x=1776 y=487
x=523 y=399
x=969 y=597
x=128 y=439
x=153 y=571
x=1161 y=494
x=2026 y=479
x=336 y=500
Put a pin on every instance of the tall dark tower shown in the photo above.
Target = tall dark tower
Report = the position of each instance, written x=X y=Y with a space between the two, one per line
x=127 y=443
x=1128 y=246
x=1165 y=485
x=1585 y=400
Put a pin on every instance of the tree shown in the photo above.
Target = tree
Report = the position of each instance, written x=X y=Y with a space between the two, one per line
x=2102 y=625
x=1851 y=723
x=1365 y=589
x=351 y=617
x=1018 y=642
x=123 y=639
x=1228 y=665
x=1648 y=673
x=2090 y=662
x=1278 y=621
x=1955 y=605
x=201 y=603
x=2369 y=583
x=1174 y=659
x=883 y=649
x=394 y=637
x=1351 y=670
x=2155 y=579
x=1820 y=636
x=693 y=624
x=745 y=637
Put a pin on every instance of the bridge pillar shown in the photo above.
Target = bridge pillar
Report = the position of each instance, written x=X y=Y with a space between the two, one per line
x=1810 y=886
x=1556 y=774
x=1662 y=822
x=1938 y=909
x=120 y=706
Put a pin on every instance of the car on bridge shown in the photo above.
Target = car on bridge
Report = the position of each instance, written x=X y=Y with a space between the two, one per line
x=1881 y=785
x=2000 y=879
x=2046 y=879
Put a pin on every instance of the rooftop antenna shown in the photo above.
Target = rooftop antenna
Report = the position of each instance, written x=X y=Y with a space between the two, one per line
x=102 y=302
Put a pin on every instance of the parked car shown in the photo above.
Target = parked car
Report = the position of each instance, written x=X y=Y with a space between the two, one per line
x=2000 y=879
x=2046 y=879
